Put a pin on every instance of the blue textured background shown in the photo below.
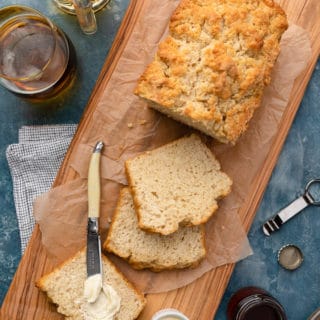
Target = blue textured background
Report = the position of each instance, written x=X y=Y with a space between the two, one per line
x=298 y=291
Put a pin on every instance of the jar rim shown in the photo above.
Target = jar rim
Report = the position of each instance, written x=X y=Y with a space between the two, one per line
x=258 y=300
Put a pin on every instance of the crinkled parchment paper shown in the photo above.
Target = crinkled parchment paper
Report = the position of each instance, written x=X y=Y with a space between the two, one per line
x=128 y=127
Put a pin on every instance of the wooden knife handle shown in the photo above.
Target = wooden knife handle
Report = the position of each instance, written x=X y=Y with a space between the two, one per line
x=94 y=182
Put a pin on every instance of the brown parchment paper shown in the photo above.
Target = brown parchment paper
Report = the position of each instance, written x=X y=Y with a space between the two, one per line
x=127 y=127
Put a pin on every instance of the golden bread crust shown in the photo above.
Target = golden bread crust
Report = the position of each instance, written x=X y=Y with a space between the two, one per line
x=211 y=70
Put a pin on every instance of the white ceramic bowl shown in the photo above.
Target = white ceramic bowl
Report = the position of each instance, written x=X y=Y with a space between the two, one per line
x=165 y=314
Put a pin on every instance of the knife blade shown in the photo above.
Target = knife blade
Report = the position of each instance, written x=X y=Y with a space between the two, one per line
x=93 y=283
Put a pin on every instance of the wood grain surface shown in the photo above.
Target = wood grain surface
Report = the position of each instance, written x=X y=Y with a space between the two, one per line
x=200 y=299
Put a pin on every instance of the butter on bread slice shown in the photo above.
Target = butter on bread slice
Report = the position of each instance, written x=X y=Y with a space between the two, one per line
x=65 y=284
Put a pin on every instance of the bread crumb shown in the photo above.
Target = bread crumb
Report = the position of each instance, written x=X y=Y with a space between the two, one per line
x=142 y=121
x=130 y=125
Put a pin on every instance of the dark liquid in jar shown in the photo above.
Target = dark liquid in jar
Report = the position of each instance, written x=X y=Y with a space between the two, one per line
x=252 y=303
x=262 y=313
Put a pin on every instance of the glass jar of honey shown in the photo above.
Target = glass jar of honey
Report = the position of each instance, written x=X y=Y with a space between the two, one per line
x=252 y=303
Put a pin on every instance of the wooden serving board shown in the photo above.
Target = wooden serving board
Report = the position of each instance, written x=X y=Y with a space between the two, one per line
x=200 y=299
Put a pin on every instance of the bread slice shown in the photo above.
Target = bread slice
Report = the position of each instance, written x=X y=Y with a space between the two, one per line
x=211 y=70
x=176 y=184
x=182 y=249
x=64 y=286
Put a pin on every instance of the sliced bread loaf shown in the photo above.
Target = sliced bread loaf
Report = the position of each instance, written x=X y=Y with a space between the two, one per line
x=176 y=184
x=65 y=284
x=211 y=70
x=181 y=249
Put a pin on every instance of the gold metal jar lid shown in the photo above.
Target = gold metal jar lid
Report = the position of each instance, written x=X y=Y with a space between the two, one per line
x=290 y=257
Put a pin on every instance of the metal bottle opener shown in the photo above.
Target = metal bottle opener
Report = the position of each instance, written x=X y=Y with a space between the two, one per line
x=292 y=209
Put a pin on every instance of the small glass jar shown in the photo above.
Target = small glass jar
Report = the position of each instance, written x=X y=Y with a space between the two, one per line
x=252 y=303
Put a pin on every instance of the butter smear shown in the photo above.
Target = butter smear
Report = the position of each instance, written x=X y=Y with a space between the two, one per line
x=105 y=300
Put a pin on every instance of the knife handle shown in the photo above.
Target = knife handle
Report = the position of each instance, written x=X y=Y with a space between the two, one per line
x=94 y=182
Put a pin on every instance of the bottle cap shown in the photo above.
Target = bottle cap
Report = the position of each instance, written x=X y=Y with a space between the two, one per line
x=169 y=314
x=290 y=257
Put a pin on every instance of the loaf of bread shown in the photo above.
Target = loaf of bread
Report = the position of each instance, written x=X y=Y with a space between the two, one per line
x=211 y=70
x=181 y=249
x=65 y=284
x=176 y=184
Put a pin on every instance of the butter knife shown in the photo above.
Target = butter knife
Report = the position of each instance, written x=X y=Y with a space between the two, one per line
x=93 y=283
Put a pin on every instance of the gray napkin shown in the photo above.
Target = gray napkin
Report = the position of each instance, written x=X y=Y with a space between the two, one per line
x=33 y=164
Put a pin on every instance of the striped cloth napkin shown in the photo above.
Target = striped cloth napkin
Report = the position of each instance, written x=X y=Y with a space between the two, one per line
x=34 y=162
